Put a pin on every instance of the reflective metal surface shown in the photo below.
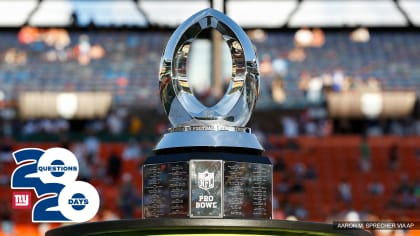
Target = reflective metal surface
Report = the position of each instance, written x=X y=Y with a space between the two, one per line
x=165 y=190
x=206 y=189
x=247 y=190
x=209 y=139
x=210 y=128
x=235 y=107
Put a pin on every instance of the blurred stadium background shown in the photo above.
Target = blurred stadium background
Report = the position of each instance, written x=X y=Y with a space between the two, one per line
x=338 y=111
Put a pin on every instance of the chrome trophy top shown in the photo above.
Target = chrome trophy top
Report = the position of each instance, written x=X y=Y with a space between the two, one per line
x=189 y=117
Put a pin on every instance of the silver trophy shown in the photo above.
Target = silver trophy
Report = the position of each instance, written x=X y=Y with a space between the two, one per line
x=194 y=124
x=208 y=165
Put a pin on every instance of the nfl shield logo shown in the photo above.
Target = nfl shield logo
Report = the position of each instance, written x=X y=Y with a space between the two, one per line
x=206 y=180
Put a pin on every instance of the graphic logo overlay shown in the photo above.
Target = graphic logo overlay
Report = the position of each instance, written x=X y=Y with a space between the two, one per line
x=52 y=175
x=21 y=200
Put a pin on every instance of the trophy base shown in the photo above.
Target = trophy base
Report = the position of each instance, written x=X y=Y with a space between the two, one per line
x=201 y=227
x=207 y=184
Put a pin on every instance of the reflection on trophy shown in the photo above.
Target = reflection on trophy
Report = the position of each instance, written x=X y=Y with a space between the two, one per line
x=207 y=174
x=208 y=164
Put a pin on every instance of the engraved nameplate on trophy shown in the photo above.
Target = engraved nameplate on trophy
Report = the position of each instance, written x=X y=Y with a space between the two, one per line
x=166 y=190
x=247 y=190
x=206 y=188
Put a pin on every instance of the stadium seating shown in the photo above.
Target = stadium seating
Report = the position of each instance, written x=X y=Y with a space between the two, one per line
x=390 y=57
x=338 y=157
x=334 y=158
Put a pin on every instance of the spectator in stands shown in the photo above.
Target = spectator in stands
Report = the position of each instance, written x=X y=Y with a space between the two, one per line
x=376 y=187
x=365 y=154
x=15 y=56
x=278 y=89
x=314 y=94
x=92 y=144
x=132 y=151
x=409 y=200
x=115 y=123
x=303 y=82
x=113 y=168
x=325 y=127
x=6 y=149
x=406 y=193
x=300 y=212
x=47 y=126
x=347 y=84
x=299 y=169
x=311 y=172
x=283 y=186
x=290 y=127
x=61 y=125
x=297 y=186
x=30 y=127
x=7 y=226
x=393 y=157
x=344 y=190
x=135 y=125
x=96 y=126
x=358 y=84
x=374 y=127
x=128 y=200
x=85 y=171
x=337 y=80
x=286 y=206
x=405 y=200
x=310 y=127
x=279 y=164
x=326 y=82
x=396 y=128
x=404 y=185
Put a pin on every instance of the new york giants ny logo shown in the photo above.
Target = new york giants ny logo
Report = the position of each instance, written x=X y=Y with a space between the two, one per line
x=21 y=200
